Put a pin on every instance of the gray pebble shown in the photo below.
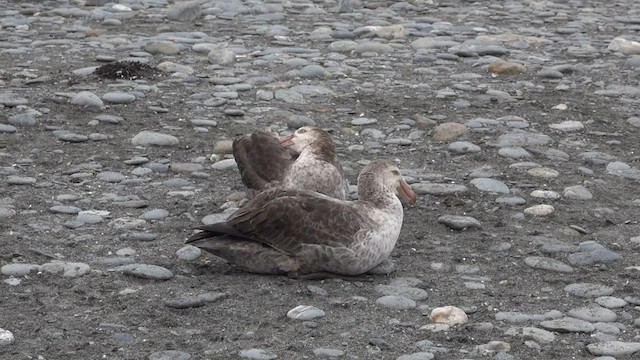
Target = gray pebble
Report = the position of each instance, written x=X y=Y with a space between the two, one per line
x=169 y=355
x=257 y=354
x=68 y=269
x=305 y=312
x=545 y=263
x=20 y=269
x=313 y=71
x=511 y=200
x=416 y=356
x=611 y=302
x=146 y=138
x=412 y=293
x=538 y=335
x=614 y=348
x=6 y=128
x=328 y=353
x=119 y=97
x=588 y=290
x=187 y=11
x=155 y=214
x=110 y=176
x=457 y=222
x=145 y=271
x=396 y=302
x=25 y=119
x=6 y=337
x=514 y=153
x=68 y=136
x=87 y=99
x=363 y=121
x=490 y=185
x=568 y=324
x=593 y=313
x=463 y=147
x=188 y=253
x=20 y=180
x=577 y=192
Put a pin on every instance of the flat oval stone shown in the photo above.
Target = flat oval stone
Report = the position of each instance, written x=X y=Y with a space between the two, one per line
x=457 y=222
x=68 y=269
x=463 y=147
x=516 y=152
x=396 y=302
x=20 y=180
x=412 y=293
x=545 y=194
x=6 y=128
x=511 y=200
x=422 y=355
x=226 y=164
x=119 y=97
x=545 y=263
x=257 y=354
x=305 y=312
x=6 y=337
x=490 y=185
x=577 y=192
x=146 y=138
x=328 y=353
x=87 y=99
x=19 y=269
x=188 y=253
x=593 y=313
x=169 y=355
x=611 y=302
x=588 y=290
x=614 y=348
x=543 y=172
x=155 y=214
x=569 y=125
x=568 y=324
x=145 y=271
x=538 y=335
x=539 y=210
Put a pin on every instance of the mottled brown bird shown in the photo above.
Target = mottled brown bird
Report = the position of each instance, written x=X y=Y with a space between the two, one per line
x=265 y=161
x=299 y=232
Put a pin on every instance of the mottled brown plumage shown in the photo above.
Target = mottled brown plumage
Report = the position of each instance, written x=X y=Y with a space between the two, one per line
x=265 y=162
x=290 y=231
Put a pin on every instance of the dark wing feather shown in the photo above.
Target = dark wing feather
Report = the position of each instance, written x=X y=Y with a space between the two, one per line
x=287 y=219
x=261 y=160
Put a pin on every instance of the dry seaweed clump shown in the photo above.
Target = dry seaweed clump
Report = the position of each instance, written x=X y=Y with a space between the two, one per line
x=130 y=70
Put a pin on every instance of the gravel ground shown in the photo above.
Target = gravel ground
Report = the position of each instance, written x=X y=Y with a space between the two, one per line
x=516 y=122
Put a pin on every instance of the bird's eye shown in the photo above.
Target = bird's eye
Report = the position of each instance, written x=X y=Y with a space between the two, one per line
x=395 y=172
x=302 y=131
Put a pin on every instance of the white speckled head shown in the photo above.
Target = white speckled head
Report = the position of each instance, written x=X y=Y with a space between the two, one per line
x=383 y=177
x=308 y=136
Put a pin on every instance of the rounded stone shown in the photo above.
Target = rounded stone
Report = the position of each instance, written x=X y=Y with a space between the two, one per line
x=257 y=354
x=539 y=210
x=155 y=214
x=119 y=97
x=585 y=290
x=305 y=312
x=146 y=138
x=490 y=185
x=6 y=337
x=611 y=302
x=396 y=302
